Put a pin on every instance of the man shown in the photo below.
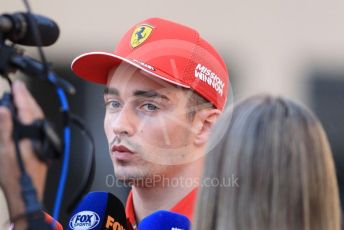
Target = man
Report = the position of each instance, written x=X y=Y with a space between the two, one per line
x=165 y=88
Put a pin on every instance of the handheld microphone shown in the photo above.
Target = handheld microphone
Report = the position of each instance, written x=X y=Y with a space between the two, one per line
x=98 y=211
x=165 y=220
x=17 y=28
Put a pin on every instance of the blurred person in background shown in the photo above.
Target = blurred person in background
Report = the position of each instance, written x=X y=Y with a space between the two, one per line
x=280 y=154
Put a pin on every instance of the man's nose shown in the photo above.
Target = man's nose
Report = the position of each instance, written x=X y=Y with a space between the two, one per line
x=123 y=122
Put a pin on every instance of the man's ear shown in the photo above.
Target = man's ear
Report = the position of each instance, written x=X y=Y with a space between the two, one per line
x=204 y=121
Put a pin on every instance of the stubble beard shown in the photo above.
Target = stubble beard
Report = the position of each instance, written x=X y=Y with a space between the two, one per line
x=140 y=174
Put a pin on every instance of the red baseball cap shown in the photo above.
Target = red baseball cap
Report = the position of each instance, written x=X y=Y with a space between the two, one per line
x=167 y=50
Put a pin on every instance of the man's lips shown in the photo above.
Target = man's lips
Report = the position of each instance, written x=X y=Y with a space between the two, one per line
x=121 y=152
x=120 y=148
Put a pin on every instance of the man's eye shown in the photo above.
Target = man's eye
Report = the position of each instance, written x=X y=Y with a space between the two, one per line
x=150 y=107
x=112 y=104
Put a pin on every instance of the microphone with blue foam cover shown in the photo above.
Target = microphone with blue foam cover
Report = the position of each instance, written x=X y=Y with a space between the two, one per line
x=98 y=211
x=165 y=220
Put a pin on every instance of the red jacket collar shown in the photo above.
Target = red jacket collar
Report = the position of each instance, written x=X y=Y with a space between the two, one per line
x=185 y=207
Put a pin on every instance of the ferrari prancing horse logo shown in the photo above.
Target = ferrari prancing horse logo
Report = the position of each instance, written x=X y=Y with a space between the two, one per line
x=140 y=35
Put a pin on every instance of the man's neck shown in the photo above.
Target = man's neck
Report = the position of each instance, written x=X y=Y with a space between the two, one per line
x=168 y=192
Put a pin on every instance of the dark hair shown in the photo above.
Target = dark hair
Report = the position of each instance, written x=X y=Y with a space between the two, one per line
x=195 y=103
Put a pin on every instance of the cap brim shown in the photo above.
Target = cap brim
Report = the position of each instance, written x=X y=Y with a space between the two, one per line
x=95 y=66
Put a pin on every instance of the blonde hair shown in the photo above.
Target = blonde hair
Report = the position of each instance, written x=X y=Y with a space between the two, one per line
x=281 y=156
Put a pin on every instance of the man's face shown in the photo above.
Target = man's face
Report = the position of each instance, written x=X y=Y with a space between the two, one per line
x=146 y=124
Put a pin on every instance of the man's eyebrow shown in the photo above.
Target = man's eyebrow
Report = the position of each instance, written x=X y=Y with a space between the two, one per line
x=111 y=91
x=150 y=94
